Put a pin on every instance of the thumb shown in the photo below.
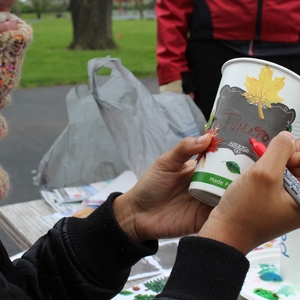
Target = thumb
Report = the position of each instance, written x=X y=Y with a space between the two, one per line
x=278 y=153
x=183 y=151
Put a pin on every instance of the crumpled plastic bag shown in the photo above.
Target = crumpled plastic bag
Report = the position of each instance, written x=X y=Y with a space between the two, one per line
x=143 y=126
x=85 y=151
x=131 y=130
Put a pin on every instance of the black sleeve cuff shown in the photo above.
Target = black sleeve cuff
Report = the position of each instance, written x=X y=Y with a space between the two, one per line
x=103 y=248
x=188 y=84
x=206 y=269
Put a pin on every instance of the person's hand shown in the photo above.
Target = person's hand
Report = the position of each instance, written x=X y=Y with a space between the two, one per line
x=256 y=208
x=159 y=205
x=294 y=162
x=192 y=96
x=174 y=87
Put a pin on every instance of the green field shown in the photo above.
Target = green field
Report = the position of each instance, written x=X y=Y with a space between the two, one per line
x=49 y=62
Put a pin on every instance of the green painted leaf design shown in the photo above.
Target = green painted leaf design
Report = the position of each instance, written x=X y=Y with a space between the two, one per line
x=210 y=120
x=156 y=285
x=126 y=293
x=233 y=167
x=266 y=294
x=144 y=297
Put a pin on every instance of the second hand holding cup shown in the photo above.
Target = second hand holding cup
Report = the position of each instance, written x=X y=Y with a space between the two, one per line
x=255 y=99
x=290 y=182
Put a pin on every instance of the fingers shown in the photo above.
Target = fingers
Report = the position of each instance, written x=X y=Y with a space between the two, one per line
x=183 y=151
x=294 y=162
x=192 y=96
x=277 y=154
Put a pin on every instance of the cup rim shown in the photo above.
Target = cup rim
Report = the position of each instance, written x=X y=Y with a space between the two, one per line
x=260 y=61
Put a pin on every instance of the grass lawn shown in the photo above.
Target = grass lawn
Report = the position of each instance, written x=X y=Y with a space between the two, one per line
x=48 y=60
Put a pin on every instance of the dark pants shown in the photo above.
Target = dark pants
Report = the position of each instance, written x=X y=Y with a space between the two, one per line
x=206 y=59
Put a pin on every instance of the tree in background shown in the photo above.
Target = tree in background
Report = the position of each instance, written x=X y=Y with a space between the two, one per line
x=17 y=8
x=92 y=24
x=40 y=6
x=37 y=4
x=139 y=6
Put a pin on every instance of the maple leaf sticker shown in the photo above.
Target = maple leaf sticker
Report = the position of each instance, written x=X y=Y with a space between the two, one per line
x=213 y=146
x=264 y=90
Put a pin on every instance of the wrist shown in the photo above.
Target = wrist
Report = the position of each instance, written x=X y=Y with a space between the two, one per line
x=188 y=84
x=125 y=216
x=174 y=87
x=226 y=233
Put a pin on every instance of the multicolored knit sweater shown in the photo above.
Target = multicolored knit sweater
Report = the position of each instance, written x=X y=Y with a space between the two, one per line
x=13 y=45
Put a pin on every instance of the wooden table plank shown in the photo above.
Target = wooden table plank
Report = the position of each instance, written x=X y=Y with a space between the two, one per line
x=20 y=221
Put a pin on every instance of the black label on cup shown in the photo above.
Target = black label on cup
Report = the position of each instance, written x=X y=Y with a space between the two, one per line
x=235 y=120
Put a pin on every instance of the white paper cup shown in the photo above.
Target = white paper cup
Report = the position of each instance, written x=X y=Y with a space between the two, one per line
x=256 y=99
x=290 y=257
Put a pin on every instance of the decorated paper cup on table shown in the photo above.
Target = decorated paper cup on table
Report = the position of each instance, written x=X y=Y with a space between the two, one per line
x=256 y=100
x=290 y=257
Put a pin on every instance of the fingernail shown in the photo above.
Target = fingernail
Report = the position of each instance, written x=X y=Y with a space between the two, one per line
x=287 y=134
x=201 y=139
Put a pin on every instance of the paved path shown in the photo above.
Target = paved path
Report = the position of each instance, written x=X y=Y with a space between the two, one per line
x=35 y=118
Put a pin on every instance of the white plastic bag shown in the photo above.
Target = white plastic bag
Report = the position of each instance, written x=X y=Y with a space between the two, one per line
x=144 y=126
x=85 y=152
x=133 y=129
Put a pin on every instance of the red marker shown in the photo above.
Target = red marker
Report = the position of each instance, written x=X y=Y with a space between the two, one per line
x=290 y=182
x=258 y=147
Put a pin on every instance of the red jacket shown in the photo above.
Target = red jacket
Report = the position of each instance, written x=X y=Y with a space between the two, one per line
x=247 y=20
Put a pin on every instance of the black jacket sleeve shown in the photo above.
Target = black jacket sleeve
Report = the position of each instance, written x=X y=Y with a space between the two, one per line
x=78 y=259
x=204 y=270
x=91 y=259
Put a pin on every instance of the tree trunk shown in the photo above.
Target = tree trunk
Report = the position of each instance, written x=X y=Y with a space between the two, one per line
x=92 y=21
x=37 y=5
x=139 y=5
x=45 y=5
x=18 y=9
x=61 y=8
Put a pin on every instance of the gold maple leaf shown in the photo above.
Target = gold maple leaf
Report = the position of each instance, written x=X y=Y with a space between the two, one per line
x=264 y=91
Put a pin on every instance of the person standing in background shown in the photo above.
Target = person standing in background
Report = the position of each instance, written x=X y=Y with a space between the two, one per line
x=196 y=37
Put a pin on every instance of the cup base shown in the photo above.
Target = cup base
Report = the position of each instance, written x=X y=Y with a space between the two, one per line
x=205 y=197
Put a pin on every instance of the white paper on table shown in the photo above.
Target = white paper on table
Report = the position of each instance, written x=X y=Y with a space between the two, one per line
x=51 y=199
x=124 y=182
x=158 y=263
x=101 y=184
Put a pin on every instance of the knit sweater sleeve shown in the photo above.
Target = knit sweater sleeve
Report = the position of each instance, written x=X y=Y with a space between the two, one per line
x=205 y=269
